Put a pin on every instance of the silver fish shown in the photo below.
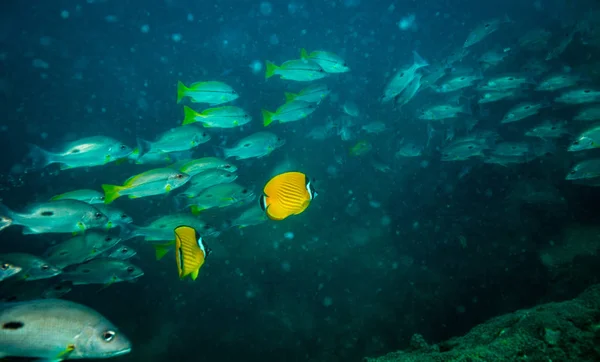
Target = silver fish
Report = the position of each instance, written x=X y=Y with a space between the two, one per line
x=62 y=216
x=33 y=267
x=8 y=269
x=258 y=145
x=103 y=271
x=80 y=249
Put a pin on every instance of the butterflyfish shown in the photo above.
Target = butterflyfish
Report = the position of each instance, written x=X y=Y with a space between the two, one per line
x=190 y=251
x=287 y=194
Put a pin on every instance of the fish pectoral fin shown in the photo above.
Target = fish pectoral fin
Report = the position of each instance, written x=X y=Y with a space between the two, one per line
x=64 y=354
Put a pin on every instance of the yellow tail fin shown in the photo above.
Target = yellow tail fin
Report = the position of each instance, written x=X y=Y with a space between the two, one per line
x=181 y=89
x=111 y=192
x=270 y=69
x=303 y=54
x=194 y=274
x=267 y=117
x=161 y=250
x=189 y=115
x=290 y=96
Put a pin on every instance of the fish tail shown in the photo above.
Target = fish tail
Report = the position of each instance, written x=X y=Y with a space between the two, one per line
x=181 y=89
x=128 y=231
x=194 y=274
x=111 y=192
x=196 y=210
x=303 y=54
x=189 y=115
x=160 y=250
x=38 y=158
x=6 y=217
x=270 y=69
x=143 y=147
x=267 y=117
x=419 y=61
x=290 y=96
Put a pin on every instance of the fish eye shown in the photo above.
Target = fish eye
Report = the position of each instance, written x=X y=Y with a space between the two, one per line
x=586 y=91
x=572 y=172
x=204 y=134
x=98 y=215
x=124 y=250
x=108 y=238
x=179 y=176
x=101 y=198
x=576 y=142
x=124 y=216
x=206 y=227
x=470 y=147
x=86 y=271
x=108 y=336
x=527 y=107
x=227 y=166
x=279 y=139
x=245 y=191
x=552 y=128
x=487 y=25
x=130 y=269
x=45 y=267
x=511 y=78
x=123 y=147
x=4 y=266
x=247 y=145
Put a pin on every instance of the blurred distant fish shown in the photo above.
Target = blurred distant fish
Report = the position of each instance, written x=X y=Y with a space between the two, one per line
x=523 y=110
x=331 y=63
x=122 y=252
x=85 y=195
x=161 y=229
x=457 y=82
x=558 y=81
x=374 y=127
x=535 y=39
x=219 y=196
x=579 y=96
x=443 y=111
x=351 y=109
x=501 y=83
x=220 y=117
x=61 y=216
x=409 y=149
x=85 y=152
x=587 y=114
x=313 y=94
x=258 y=145
x=409 y=92
x=299 y=70
x=206 y=179
x=483 y=30
x=32 y=267
x=102 y=271
x=289 y=112
x=194 y=167
x=153 y=182
x=495 y=96
x=80 y=249
x=548 y=129
x=251 y=216
x=176 y=139
x=211 y=92
x=115 y=216
x=403 y=77
x=361 y=148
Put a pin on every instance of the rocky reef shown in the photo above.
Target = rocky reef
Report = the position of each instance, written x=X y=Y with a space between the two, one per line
x=553 y=332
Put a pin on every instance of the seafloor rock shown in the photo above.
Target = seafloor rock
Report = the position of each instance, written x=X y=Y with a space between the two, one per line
x=553 y=332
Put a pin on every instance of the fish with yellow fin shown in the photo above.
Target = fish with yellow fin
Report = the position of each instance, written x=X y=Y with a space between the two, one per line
x=287 y=194
x=190 y=251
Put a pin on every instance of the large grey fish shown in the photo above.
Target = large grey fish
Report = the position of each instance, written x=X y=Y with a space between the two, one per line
x=33 y=267
x=85 y=152
x=585 y=170
x=62 y=216
x=80 y=249
x=522 y=111
x=579 y=96
x=103 y=271
x=55 y=330
x=8 y=269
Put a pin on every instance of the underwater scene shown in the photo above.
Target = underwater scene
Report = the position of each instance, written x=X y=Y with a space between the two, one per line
x=300 y=180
